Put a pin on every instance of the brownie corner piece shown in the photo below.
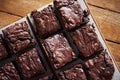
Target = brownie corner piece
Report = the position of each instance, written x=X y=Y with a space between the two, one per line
x=18 y=37
x=100 y=67
x=8 y=72
x=59 y=50
x=30 y=63
x=74 y=73
x=70 y=11
x=3 y=52
x=46 y=21
x=86 y=40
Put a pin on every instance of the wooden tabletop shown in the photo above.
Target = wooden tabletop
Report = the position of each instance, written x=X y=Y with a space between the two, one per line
x=105 y=12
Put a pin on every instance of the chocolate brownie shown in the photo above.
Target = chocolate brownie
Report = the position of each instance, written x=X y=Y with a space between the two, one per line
x=70 y=11
x=59 y=50
x=100 y=67
x=74 y=73
x=8 y=72
x=3 y=52
x=18 y=37
x=86 y=40
x=46 y=21
x=30 y=64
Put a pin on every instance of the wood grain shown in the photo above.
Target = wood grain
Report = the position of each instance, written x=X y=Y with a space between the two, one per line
x=115 y=50
x=109 y=23
x=7 y=19
x=106 y=4
x=21 y=7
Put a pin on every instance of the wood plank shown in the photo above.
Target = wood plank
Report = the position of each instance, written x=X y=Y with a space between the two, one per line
x=6 y=19
x=115 y=51
x=108 y=4
x=21 y=7
x=109 y=23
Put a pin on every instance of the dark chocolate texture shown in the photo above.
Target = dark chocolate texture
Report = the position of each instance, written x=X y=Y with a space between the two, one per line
x=46 y=21
x=18 y=37
x=74 y=73
x=86 y=40
x=8 y=72
x=70 y=11
x=30 y=64
x=3 y=52
x=59 y=50
x=100 y=67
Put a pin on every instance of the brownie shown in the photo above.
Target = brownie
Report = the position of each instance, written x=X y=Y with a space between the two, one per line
x=70 y=11
x=18 y=37
x=100 y=67
x=30 y=64
x=8 y=72
x=59 y=50
x=3 y=52
x=46 y=21
x=74 y=73
x=86 y=40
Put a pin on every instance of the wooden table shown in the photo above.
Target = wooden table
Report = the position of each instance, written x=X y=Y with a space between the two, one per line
x=105 y=12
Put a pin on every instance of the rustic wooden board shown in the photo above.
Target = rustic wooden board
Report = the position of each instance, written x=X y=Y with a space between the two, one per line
x=21 y=7
x=113 y=5
x=7 y=19
x=109 y=23
x=115 y=50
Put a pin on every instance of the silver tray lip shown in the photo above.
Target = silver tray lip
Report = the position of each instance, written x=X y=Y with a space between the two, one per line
x=84 y=6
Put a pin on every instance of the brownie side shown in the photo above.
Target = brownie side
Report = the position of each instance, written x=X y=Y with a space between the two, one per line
x=100 y=67
x=30 y=64
x=59 y=50
x=70 y=11
x=46 y=21
x=18 y=37
x=74 y=73
x=8 y=72
x=3 y=52
x=86 y=40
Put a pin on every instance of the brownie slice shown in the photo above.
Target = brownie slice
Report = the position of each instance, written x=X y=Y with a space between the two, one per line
x=70 y=11
x=8 y=72
x=59 y=50
x=100 y=67
x=74 y=73
x=86 y=40
x=18 y=37
x=46 y=21
x=30 y=64
x=3 y=52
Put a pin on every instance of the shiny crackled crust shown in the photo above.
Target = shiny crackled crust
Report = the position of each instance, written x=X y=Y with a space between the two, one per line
x=8 y=72
x=59 y=50
x=18 y=37
x=74 y=73
x=70 y=11
x=3 y=52
x=30 y=63
x=86 y=40
x=46 y=21
x=100 y=67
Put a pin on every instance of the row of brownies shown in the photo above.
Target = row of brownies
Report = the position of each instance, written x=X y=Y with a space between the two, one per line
x=68 y=16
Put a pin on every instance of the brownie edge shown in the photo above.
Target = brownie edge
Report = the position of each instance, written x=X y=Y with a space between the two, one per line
x=100 y=67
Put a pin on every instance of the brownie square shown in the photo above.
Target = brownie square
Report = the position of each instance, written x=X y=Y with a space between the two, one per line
x=59 y=50
x=3 y=52
x=100 y=67
x=86 y=40
x=70 y=11
x=74 y=73
x=8 y=72
x=18 y=37
x=30 y=64
x=46 y=21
